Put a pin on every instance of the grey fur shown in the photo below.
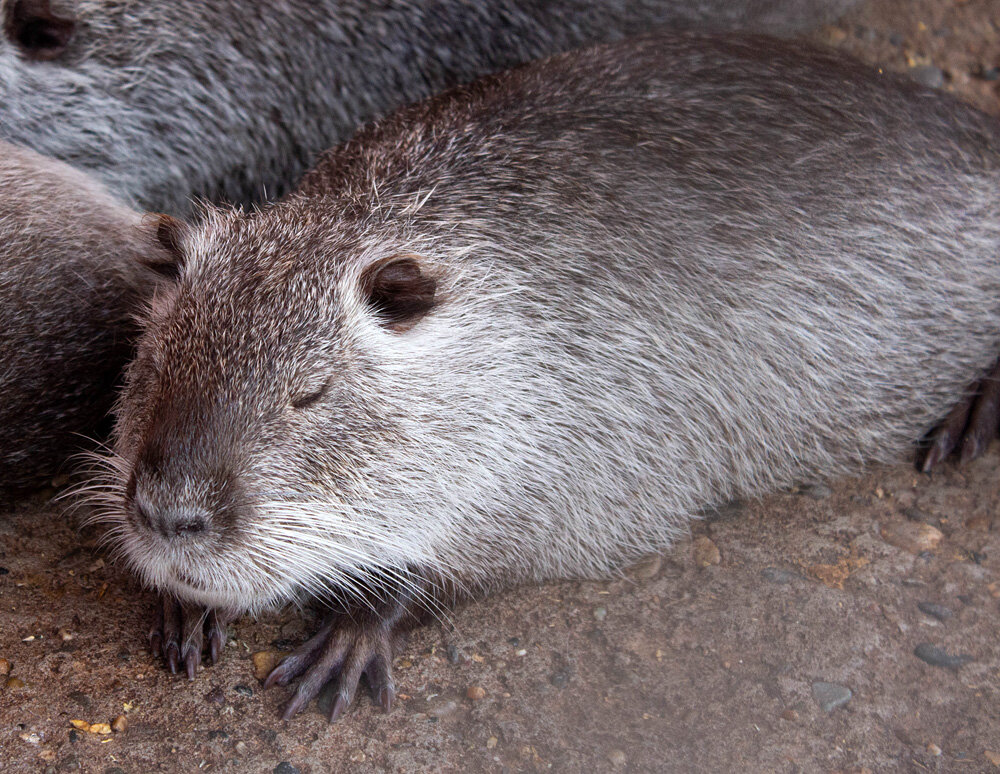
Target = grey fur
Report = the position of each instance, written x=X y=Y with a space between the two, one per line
x=70 y=285
x=670 y=273
x=232 y=99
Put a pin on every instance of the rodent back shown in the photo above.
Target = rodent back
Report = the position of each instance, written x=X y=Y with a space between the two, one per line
x=658 y=286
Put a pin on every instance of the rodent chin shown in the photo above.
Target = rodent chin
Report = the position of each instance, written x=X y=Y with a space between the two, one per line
x=236 y=602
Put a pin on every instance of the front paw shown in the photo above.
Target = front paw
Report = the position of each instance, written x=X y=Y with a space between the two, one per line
x=342 y=650
x=181 y=631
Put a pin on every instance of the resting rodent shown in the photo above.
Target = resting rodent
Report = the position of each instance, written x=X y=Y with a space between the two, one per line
x=233 y=99
x=529 y=328
x=70 y=285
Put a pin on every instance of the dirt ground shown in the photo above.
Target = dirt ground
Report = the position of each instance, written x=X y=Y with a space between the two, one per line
x=849 y=628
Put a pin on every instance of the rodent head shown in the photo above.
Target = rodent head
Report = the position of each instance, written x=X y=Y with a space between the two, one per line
x=252 y=416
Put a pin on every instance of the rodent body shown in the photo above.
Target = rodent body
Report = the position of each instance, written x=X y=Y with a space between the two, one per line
x=529 y=328
x=229 y=99
x=70 y=285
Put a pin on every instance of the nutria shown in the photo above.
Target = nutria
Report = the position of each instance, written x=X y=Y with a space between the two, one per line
x=70 y=284
x=529 y=328
x=165 y=101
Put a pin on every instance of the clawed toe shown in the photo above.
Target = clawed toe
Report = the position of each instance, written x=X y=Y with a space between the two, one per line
x=342 y=654
x=179 y=635
x=969 y=427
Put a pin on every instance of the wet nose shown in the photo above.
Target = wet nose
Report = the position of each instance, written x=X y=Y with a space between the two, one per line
x=172 y=522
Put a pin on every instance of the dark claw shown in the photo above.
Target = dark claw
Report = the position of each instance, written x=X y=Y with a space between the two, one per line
x=385 y=697
x=379 y=673
x=298 y=662
x=192 y=660
x=985 y=419
x=216 y=636
x=946 y=436
x=338 y=707
x=156 y=640
x=173 y=657
x=970 y=426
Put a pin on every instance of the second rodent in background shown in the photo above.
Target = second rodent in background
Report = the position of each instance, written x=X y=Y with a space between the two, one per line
x=72 y=281
x=233 y=99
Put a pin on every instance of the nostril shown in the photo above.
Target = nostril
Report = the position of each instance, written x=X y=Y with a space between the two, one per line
x=189 y=527
x=170 y=523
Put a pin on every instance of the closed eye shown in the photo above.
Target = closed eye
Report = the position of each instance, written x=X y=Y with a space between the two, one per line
x=310 y=398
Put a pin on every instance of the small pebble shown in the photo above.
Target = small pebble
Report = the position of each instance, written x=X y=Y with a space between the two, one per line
x=454 y=656
x=992 y=757
x=241 y=748
x=928 y=75
x=120 y=724
x=476 y=692
x=940 y=612
x=215 y=696
x=790 y=715
x=706 y=553
x=829 y=696
x=916 y=514
x=559 y=679
x=31 y=738
x=65 y=635
x=934 y=656
x=443 y=709
x=979 y=523
x=491 y=742
x=617 y=758
x=600 y=613
x=933 y=749
x=4 y=667
x=14 y=683
x=73 y=736
x=777 y=575
x=648 y=568
x=47 y=755
x=263 y=662
x=285 y=768
x=912 y=536
x=243 y=690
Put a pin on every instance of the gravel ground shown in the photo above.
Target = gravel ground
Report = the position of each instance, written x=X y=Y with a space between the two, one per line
x=848 y=628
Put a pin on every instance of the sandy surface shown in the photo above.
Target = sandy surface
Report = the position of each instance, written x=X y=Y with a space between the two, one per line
x=677 y=667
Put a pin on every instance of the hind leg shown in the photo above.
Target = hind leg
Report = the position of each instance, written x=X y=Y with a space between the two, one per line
x=970 y=426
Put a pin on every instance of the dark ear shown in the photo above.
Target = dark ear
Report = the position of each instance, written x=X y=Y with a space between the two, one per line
x=399 y=291
x=37 y=32
x=169 y=233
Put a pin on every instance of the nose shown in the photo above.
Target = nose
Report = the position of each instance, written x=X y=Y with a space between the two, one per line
x=172 y=522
